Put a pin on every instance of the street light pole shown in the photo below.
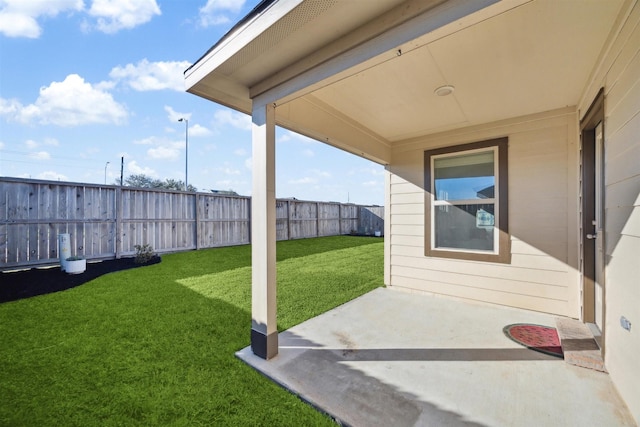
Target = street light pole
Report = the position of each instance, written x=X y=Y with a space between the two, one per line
x=105 y=173
x=186 y=152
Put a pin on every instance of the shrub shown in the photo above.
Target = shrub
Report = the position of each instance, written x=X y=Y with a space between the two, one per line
x=144 y=254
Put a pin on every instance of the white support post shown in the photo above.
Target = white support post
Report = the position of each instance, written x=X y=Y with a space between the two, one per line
x=264 y=332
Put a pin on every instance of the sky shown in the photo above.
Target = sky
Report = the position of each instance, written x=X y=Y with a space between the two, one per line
x=85 y=83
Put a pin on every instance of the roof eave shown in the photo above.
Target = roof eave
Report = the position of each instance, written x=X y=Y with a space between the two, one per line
x=263 y=16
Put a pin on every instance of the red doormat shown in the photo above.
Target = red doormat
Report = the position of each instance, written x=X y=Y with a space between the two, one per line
x=535 y=337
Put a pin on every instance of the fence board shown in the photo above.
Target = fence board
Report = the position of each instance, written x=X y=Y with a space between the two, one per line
x=370 y=219
x=106 y=221
x=30 y=199
x=283 y=216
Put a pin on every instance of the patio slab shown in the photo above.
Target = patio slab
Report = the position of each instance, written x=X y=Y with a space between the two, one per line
x=395 y=358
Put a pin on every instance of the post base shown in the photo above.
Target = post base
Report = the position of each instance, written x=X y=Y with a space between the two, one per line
x=264 y=346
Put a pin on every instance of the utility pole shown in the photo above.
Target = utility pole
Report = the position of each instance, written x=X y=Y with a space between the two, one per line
x=186 y=152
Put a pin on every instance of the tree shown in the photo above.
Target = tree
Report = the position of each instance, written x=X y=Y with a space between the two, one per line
x=143 y=181
x=176 y=184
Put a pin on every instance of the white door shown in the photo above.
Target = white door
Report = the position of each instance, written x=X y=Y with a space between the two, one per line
x=598 y=228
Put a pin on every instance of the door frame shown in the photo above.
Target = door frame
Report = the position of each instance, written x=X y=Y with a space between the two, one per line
x=593 y=117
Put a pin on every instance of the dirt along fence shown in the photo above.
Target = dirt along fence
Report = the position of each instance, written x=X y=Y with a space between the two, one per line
x=106 y=221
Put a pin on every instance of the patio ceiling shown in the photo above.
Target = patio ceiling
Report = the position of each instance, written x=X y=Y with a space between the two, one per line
x=507 y=59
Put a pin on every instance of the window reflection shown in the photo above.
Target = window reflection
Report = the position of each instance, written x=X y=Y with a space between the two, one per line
x=465 y=227
x=465 y=177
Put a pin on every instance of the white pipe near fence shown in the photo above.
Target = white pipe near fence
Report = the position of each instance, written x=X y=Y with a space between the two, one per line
x=64 y=249
x=105 y=221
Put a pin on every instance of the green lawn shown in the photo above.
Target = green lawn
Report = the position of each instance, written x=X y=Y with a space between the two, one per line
x=154 y=346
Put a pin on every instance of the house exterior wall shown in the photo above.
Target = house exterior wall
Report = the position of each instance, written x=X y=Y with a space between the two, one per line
x=543 y=274
x=619 y=74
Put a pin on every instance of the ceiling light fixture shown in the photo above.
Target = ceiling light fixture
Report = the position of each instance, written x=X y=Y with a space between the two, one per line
x=444 y=90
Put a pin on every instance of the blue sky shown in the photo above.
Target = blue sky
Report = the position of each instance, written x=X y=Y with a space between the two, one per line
x=86 y=82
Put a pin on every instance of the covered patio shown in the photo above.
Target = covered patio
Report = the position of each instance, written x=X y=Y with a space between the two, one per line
x=541 y=99
x=386 y=82
x=392 y=358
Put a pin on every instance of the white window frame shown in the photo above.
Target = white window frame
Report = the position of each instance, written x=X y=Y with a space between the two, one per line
x=495 y=200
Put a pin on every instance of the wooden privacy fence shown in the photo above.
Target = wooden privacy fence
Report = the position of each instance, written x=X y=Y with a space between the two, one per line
x=106 y=221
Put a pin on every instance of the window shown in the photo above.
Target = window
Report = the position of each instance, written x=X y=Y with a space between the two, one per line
x=466 y=202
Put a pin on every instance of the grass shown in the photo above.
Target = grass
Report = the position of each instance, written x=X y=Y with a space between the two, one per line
x=154 y=346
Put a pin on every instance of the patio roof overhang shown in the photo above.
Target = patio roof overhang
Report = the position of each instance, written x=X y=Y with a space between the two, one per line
x=363 y=78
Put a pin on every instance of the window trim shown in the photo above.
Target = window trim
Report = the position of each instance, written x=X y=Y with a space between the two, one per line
x=503 y=254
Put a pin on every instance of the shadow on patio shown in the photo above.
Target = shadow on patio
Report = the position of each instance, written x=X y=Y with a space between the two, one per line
x=392 y=358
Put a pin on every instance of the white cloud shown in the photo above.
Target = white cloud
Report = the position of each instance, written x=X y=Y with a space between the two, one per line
x=115 y=15
x=379 y=171
x=146 y=76
x=163 y=148
x=71 y=102
x=163 y=152
x=289 y=136
x=105 y=85
x=240 y=152
x=197 y=130
x=286 y=137
x=248 y=163
x=19 y=18
x=32 y=145
x=215 y=12
x=228 y=170
x=371 y=184
x=174 y=116
x=233 y=118
x=134 y=169
x=305 y=180
x=308 y=153
x=52 y=176
x=19 y=25
x=1 y=145
x=145 y=141
x=40 y=155
x=89 y=152
x=229 y=184
x=9 y=107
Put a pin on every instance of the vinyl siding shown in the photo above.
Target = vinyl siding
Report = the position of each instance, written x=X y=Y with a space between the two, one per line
x=543 y=219
x=619 y=74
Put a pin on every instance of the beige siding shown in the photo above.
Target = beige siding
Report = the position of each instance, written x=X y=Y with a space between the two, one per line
x=619 y=74
x=543 y=219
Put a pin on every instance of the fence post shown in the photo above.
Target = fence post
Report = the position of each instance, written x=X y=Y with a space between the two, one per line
x=118 y=230
x=197 y=219
x=288 y=219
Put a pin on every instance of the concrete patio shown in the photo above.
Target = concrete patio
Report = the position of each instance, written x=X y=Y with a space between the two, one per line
x=391 y=358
